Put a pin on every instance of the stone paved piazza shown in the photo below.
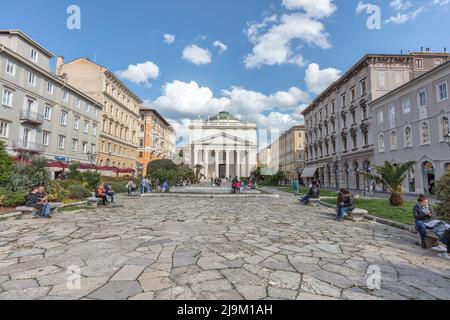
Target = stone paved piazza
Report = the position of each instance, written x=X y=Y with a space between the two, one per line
x=176 y=248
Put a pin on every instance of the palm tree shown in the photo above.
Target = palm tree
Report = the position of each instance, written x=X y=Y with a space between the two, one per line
x=392 y=175
x=198 y=168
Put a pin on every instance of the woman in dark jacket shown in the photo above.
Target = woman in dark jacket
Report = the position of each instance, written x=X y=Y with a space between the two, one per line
x=346 y=204
x=37 y=199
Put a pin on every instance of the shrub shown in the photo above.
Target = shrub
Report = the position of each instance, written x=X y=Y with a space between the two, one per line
x=164 y=164
x=12 y=199
x=73 y=171
x=118 y=187
x=57 y=191
x=91 y=180
x=443 y=195
x=6 y=163
x=78 y=192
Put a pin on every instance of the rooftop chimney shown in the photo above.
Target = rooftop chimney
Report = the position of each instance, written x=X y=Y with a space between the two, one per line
x=59 y=64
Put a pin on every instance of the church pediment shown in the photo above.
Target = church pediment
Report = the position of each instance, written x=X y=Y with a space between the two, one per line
x=222 y=139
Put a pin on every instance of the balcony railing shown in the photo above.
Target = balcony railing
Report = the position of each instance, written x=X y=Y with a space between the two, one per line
x=22 y=145
x=31 y=118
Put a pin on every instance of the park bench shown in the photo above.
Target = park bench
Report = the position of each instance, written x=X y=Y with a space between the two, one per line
x=357 y=214
x=314 y=202
x=431 y=239
x=95 y=202
x=33 y=211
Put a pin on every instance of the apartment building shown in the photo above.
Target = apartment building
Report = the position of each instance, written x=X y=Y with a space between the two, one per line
x=288 y=152
x=264 y=158
x=41 y=113
x=412 y=124
x=156 y=139
x=120 y=123
x=338 y=122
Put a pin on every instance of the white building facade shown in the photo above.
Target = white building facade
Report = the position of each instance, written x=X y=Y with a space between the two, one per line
x=224 y=146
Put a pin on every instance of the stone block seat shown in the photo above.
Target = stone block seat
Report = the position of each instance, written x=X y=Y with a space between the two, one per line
x=314 y=202
x=33 y=211
x=358 y=214
x=95 y=202
x=431 y=239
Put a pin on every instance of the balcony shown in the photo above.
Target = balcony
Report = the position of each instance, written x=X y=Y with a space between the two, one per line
x=31 y=118
x=27 y=146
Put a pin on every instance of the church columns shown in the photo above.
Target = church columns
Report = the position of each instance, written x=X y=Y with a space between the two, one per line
x=238 y=164
x=217 y=163
x=227 y=173
x=206 y=155
x=195 y=157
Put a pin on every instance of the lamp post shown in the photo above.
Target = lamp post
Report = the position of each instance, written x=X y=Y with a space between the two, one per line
x=91 y=157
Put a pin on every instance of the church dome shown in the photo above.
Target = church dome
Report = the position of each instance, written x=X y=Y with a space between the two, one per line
x=224 y=116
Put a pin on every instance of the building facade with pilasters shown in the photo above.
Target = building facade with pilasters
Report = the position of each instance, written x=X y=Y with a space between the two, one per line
x=338 y=122
x=224 y=146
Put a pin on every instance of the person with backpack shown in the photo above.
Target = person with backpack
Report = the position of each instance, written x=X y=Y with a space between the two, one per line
x=100 y=193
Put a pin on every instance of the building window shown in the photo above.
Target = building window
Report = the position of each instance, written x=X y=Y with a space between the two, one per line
x=48 y=113
x=425 y=133
x=85 y=147
x=353 y=93
x=95 y=112
x=408 y=137
x=61 y=142
x=423 y=99
x=32 y=79
x=381 y=143
x=333 y=106
x=50 y=87
x=4 y=129
x=10 y=68
x=366 y=138
x=63 y=118
x=78 y=102
x=88 y=107
x=419 y=63
x=437 y=62
x=86 y=127
x=382 y=79
x=363 y=87
x=442 y=91
x=344 y=120
x=353 y=117
x=65 y=95
x=344 y=142
x=141 y=143
x=34 y=55
x=444 y=128
x=380 y=117
x=343 y=97
x=76 y=123
x=392 y=116
x=355 y=141
x=7 y=97
x=394 y=140
x=74 y=145
x=406 y=105
x=46 y=138
x=94 y=130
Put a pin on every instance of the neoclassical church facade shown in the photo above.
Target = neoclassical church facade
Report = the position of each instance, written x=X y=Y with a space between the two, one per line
x=224 y=146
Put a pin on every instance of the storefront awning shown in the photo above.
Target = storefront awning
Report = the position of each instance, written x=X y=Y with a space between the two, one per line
x=309 y=172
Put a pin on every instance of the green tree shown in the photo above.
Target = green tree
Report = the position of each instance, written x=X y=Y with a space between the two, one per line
x=6 y=163
x=443 y=195
x=165 y=164
x=392 y=176
x=198 y=168
x=74 y=172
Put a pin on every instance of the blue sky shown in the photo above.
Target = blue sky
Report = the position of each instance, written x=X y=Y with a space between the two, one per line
x=270 y=45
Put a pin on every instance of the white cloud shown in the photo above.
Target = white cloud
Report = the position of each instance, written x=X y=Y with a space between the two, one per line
x=197 y=55
x=318 y=80
x=400 y=5
x=275 y=46
x=169 y=38
x=141 y=73
x=361 y=7
x=314 y=8
x=441 y=3
x=220 y=46
x=403 y=17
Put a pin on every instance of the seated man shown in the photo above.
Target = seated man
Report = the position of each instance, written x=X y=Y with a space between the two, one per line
x=314 y=193
x=38 y=199
x=131 y=188
x=446 y=240
x=424 y=221
x=346 y=204
x=100 y=193
x=109 y=192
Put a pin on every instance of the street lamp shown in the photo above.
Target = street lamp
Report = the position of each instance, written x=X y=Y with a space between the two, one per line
x=91 y=157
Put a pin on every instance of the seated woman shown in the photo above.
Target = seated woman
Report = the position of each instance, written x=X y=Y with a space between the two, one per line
x=38 y=199
x=100 y=193
x=346 y=204
x=314 y=193
x=109 y=192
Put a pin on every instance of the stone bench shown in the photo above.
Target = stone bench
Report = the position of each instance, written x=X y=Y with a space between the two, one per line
x=314 y=202
x=33 y=211
x=358 y=214
x=95 y=202
x=431 y=239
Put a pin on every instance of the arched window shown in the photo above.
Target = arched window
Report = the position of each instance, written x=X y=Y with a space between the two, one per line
x=444 y=128
x=408 y=137
x=394 y=140
x=425 y=133
x=381 y=143
x=142 y=128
